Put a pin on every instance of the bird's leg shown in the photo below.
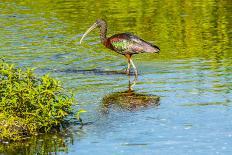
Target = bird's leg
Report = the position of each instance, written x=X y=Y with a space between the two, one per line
x=128 y=66
x=135 y=69
x=131 y=83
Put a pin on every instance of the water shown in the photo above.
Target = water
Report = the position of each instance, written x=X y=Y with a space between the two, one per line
x=192 y=75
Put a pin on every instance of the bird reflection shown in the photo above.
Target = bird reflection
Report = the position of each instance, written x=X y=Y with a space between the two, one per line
x=129 y=99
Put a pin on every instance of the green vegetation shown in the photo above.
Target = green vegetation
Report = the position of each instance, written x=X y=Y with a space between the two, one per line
x=30 y=105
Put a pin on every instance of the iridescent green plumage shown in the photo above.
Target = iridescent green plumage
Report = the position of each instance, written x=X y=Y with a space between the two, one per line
x=127 y=43
x=121 y=45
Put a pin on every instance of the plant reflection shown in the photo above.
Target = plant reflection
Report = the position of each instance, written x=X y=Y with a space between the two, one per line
x=43 y=144
x=129 y=99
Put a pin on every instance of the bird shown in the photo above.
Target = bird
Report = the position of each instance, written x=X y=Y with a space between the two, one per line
x=126 y=44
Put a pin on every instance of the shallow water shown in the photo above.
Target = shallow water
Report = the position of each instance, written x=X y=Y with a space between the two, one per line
x=192 y=75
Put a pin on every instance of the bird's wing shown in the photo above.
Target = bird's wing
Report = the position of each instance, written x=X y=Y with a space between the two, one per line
x=136 y=45
x=126 y=43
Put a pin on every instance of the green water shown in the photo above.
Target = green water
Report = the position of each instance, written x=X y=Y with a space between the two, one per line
x=192 y=75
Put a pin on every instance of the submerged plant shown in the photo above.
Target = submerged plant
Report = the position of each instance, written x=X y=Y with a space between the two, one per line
x=30 y=105
x=78 y=114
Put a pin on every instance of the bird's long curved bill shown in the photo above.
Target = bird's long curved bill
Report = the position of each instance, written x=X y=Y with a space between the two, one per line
x=90 y=29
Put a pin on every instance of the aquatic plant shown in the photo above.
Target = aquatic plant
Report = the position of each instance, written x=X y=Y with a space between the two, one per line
x=30 y=105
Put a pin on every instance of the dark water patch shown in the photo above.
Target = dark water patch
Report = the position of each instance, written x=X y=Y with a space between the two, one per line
x=135 y=144
x=93 y=71
x=207 y=104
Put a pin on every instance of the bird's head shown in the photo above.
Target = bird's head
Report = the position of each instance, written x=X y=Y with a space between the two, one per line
x=98 y=23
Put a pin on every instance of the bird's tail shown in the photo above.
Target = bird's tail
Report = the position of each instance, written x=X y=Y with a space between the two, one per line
x=150 y=48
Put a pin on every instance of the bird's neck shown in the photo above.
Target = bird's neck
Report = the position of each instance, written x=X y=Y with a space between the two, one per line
x=103 y=31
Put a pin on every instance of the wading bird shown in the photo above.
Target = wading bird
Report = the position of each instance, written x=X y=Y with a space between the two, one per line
x=126 y=44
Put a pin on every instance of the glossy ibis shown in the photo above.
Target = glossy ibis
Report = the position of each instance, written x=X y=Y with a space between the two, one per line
x=126 y=44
